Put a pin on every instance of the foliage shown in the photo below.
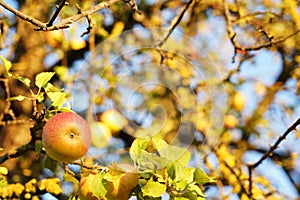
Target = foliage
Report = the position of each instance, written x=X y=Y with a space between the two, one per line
x=202 y=106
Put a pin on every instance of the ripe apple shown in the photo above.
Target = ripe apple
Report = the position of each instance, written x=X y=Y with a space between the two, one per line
x=66 y=137
x=230 y=121
x=101 y=134
x=114 y=120
x=122 y=182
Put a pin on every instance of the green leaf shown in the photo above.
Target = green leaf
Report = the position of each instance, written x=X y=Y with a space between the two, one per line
x=38 y=149
x=138 y=146
x=98 y=189
x=154 y=189
x=62 y=72
x=196 y=189
x=49 y=87
x=201 y=177
x=158 y=143
x=185 y=174
x=24 y=80
x=69 y=178
x=57 y=98
x=18 y=98
x=7 y=65
x=43 y=78
x=51 y=164
x=172 y=172
x=40 y=97
x=174 y=153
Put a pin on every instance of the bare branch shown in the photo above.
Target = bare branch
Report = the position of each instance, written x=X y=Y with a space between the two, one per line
x=175 y=23
x=270 y=151
x=22 y=15
x=61 y=5
x=18 y=152
x=65 y=22
x=237 y=47
x=276 y=144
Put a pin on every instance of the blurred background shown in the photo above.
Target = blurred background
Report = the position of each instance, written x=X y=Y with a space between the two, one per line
x=224 y=84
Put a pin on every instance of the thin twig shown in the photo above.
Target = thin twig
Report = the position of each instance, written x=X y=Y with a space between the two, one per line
x=268 y=44
x=276 y=144
x=65 y=22
x=18 y=152
x=59 y=8
x=176 y=21
x=269 y=152
x=237 y=47
x=22 y=15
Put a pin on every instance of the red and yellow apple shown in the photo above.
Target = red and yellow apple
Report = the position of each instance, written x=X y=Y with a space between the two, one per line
x=66 y=137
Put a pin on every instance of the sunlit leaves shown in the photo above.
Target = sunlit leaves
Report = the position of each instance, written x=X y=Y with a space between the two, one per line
x=98 y=188
x=43 y=78
x=168 y=168
x=24 y=80
x=153 y=189
x=57 y=98
x=17 y=98
x=201 y=177
x=7 y=65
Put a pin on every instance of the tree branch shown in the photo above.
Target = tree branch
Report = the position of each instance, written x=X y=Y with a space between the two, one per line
x=177 y=20
x=270 y=151
x=61 y=5
x=19 y=151
x=65 y=22
x=22 y=15
x=237 y=47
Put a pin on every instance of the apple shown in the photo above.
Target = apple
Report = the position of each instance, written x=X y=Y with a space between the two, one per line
x=230 y=121
x=85 y=185
x=238 y=101
x=122 y=182
x=66 y=137
x=77 y=44
x=114 y=120
x=101 y=134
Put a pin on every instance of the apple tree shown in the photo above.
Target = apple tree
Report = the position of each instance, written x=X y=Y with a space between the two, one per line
x=145 y=99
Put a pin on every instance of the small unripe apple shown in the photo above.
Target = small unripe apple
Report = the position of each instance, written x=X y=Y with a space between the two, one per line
x=66 y=137
x=114 y=120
